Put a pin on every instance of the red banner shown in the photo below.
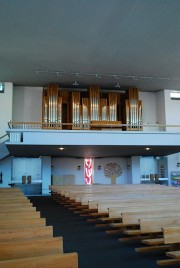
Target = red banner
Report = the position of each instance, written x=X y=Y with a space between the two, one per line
x=88 y=170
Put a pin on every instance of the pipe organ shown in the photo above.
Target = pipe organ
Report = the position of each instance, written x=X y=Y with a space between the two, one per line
x=69 y=109
x=133 y=110
x=76 y=111
x=94 y=97
x=52 y=107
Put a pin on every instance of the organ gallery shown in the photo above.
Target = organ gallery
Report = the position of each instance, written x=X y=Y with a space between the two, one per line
x=91 y=108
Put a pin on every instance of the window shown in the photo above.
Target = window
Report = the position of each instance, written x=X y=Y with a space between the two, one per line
x=1 y=87
x=175 y=95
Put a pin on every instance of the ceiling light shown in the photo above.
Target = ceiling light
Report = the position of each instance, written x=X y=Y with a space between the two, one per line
x=75 y=83
x=117 y=85
x=61 y=148
x=147 y=148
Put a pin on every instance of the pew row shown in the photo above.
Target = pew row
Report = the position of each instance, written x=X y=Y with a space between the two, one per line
x=66 y=260
x=153 y=227
x=30 y=248
x=171 y=235
x=19 y=215
x=26 y=233
x=5 y=225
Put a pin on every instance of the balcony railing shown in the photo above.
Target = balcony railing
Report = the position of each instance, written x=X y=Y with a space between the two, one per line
x=97 y=125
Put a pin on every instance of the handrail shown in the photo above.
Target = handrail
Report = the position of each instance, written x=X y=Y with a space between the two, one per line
x=3 y=136
x=113 y=124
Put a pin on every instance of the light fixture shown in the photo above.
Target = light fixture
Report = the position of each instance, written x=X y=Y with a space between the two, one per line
x=61 y=148
x=117 y=85
x=99 y=167
x=75 y=83
x=147 y=148
x=105 y=75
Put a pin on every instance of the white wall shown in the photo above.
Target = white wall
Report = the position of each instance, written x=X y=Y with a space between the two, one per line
x=160 y=106
x=135 y=169
x=27 y=104
x=6 y=100
x=148 y=165
x=149 y=112
x=68 y=166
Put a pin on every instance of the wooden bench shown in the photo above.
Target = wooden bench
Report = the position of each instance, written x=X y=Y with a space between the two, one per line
x=152 y=227
x=171 y=236
x=26 y=233
x=5 y=225
x=19 y=215
x=131 y=218
x=30 y=248
x=14 y=209
x=67 y=260
x=10 y=190
x=25 y=240
x=15 y=205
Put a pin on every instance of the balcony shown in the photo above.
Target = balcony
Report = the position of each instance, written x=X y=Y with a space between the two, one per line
x=33 y=139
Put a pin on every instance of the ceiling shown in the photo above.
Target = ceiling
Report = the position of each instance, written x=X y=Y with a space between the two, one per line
x=130 y=42
x=135 y=43
x=82 y=151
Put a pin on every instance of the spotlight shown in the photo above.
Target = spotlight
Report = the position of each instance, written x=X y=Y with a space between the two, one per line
x=75 y=83
x=117 y=85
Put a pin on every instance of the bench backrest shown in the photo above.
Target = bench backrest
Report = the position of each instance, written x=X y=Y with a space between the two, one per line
x=10 y=210
x=29 y=248
x=20 y=215
x=171 y=234
x=67 y=260
x=26 y=233
x=155 y=224
x=117 y=212
x=130 y=218
x=4 y=225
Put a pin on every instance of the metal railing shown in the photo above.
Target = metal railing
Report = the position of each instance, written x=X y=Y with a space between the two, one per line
x=91 y=126
x=2 y=138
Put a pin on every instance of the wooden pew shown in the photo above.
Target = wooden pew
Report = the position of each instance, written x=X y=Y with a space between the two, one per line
x=19 y=199
x=171 y=236
x=13 y=224
x=10 y=190
x=25 y=240
x=153 y=226
x=26 y=233
x=67 y=260
x=19 y=215
x=132 y=219
x=30 y=248
x=16 y=204
x=14 y=209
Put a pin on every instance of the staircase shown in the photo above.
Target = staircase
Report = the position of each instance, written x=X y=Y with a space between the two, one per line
x=3 y=148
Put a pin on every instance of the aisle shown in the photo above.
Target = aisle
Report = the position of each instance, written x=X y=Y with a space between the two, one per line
x=95 y=248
